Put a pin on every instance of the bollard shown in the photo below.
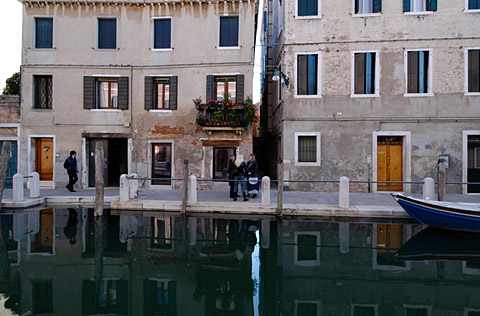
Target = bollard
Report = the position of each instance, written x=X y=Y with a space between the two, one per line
x=265 y=191
x=34 y=185
x=265 y=234
x=344 y=237
x=192 y=230
x=428 y=189
x=124 y=188
x=344 y=192
x=185 y=187
x=192 y=190
x=18 y=187
x=133 y=186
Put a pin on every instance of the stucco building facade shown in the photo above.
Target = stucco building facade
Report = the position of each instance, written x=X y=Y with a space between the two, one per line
x=378 y=90
x=124 y=73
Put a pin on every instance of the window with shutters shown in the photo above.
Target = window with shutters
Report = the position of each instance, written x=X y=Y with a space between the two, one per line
x=307 y=248
x=419 y=6
x=472 y=71
x=107 y=93
x=162 y=33
x=162 y=232
x=364 y=310
x=161 y=93
x=42 y=297
x=42 y=92
x=367 y=6
x=308 y=75
x=308 y=8
x=226 y=86
x=414 y=310
x=159 y=297
x=43 y=33
x=418 y=72
x=473 y=5
x=307 y=308
x=161 y=88
x=229 y=31
x=107 y=33
x=110 y=298
x=307 y=149
x=365 y=74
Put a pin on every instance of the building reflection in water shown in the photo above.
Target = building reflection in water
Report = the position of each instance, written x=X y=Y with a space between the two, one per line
x=129 y=263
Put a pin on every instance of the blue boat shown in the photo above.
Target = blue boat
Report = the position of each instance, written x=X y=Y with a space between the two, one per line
x=446 y=215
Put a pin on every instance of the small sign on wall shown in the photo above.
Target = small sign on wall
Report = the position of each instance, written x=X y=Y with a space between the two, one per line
x=445 y=159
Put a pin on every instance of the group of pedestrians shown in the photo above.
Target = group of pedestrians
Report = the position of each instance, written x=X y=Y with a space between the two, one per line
x=239 y=171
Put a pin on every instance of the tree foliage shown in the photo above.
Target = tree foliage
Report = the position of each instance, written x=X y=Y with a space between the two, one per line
x=13 y=85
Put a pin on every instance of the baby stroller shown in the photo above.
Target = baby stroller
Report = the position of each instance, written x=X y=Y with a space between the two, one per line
x=253 y=187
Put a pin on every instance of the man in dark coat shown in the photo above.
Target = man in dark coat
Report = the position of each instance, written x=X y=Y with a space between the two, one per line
x=71 y=166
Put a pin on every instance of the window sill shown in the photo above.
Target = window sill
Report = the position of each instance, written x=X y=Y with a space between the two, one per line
x=162 y=49
x=307 y=96
x=366 y=15
x=106 y=49
x=105 y=110
x=365 y=95
x=228 y=47
x=472 y=94
x=471 y=11
x=307 y=164
x=41 y=110
x=418 y=13
x=308 y=17
x=418 y=95
x=44 y=49
x=160 y=111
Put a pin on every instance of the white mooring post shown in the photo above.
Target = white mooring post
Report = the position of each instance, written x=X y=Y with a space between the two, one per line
x=124 y=188
x=34 y=185
x=344 y=193
x=428 y=189
x=133 y=186
x=18 y=187
x=265 y=191
x=192 y=190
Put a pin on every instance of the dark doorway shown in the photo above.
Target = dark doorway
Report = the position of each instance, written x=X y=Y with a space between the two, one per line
x=161 y=164
x=220 y=161
x=473 y=172
x=115 y=160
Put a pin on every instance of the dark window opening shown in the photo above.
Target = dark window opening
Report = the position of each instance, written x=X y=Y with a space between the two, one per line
x=228 y=31
x=307 y=247
x=43 y=92
x=307 y=67
x=307 y=7
x=417 y=77
x=364 y=73
x=43 y=33
x=162 y=34
x=474 y=70
x=107 y=33
x=162 y=164
x=307 y=148
x=220 y=161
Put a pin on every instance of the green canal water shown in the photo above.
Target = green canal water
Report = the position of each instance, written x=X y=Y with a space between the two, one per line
x=65 y=261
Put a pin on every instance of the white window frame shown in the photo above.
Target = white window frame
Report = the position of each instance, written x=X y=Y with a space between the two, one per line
x=318 y=303
x=149 y=163
x=150 y=233
x=465 y=85
x=352 y=308
x=53 y=31
x=429 y=93
x=308 y=164
x=428 y=308
x=218 y=47
x=364 y=14
x=377 y=74
x=153 y=49
x=465 y=135
x=306 y=263
x=319 y=76
x=468 y=309
x=467 y=10
x=424 y=12
x=318 y=16
x=116 y=33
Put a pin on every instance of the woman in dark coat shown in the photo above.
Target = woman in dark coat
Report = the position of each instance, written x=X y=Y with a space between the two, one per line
x=231 y=168
x=252 y=172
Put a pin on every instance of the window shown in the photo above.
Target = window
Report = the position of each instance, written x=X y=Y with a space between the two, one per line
x=43 y=33
x=473 y=4
x=161 y=93
x=42 y=297
x=162 y=34
x=162 y=164
x=307 y=248
x=110 y=298
x=159 y=297
x=307 y=149
x=413 y=310
x=473 y=71
x=360 y=310
x=224 y=85
x=229 y=31
x=107 y=33
x=311 y=308
x=419 y=5
x=161 y=88
x=42 y=92
x=368 y=6
x=365 y=81
x=307 y=75
x=418 y=72
x=220 y=161
x=161 y=233
x=306 y=8
x=105 y=93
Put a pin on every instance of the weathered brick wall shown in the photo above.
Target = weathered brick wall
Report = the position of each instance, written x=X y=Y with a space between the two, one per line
x=9 y=109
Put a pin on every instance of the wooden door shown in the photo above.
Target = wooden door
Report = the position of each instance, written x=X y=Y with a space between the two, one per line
x=44 y=238
x=44 y=157
x=389 y=240
x=390 y=163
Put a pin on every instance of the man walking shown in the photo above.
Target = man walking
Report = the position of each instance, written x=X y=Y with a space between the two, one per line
x=71 y=166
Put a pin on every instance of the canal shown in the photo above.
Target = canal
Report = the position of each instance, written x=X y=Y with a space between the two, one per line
x=64 y=261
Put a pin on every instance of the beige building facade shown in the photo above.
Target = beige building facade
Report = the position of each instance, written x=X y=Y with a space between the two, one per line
x=378 y=90
x=124 y=74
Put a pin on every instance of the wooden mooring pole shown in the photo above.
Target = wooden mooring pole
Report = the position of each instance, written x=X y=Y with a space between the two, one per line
x=442 y=175
x=185 y=186
x=4 y=262
x=99 y=179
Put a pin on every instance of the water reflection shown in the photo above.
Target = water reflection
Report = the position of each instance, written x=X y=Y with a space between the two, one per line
x=65 y=261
